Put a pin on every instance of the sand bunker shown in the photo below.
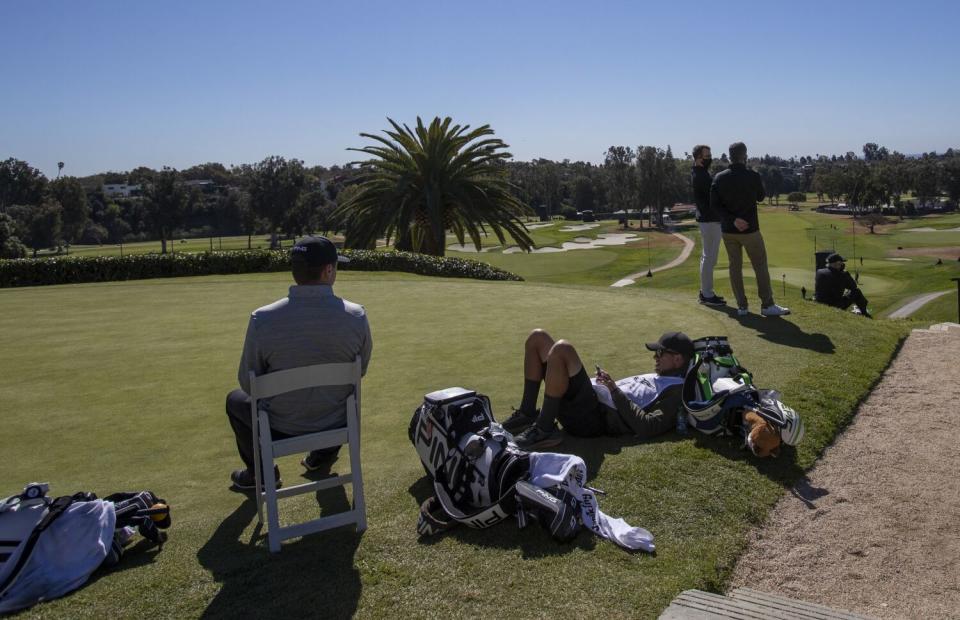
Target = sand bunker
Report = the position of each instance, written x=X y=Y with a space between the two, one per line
x=901 y=259
x=539 y=225
x=579 y=227
x=606 y=239
x=945 y=253
x=457 y=247
x=928 y=229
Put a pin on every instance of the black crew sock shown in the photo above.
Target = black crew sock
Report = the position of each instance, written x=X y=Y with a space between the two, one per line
x=531 y=389
x=548 y=413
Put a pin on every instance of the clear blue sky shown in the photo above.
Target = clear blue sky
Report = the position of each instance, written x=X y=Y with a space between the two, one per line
x=113 y=85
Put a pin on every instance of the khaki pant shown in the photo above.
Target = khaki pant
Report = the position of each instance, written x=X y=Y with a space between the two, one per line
x=757 y=252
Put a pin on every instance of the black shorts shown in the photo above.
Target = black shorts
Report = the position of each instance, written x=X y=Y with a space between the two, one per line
x=581 y=413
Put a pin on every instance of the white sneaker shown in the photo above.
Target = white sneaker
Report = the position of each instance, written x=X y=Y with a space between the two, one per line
x=742 y=312
x=774 y=310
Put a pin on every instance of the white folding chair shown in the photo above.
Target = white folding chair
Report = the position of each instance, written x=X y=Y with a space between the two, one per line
x=265 y=450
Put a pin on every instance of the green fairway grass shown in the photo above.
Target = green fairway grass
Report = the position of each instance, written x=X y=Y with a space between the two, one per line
x=120 y=386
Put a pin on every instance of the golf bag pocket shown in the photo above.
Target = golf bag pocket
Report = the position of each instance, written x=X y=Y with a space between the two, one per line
x=443 y=420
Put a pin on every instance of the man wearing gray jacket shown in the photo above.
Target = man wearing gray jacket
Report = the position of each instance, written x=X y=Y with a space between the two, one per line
x=309 y=326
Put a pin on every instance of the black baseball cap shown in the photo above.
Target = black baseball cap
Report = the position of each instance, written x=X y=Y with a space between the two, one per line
x=674 y=341
x=836 y=258
x=316 y=252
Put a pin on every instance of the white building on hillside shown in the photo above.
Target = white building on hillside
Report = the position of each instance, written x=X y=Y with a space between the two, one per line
x=120 y=189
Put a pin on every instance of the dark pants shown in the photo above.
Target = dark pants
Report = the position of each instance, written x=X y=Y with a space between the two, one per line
x=581 y=413
x=238 y=412
x=850 y=298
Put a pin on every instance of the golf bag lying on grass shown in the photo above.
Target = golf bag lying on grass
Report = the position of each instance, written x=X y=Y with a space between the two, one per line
x=49 y=547
x=480 y=477
x=717 y=390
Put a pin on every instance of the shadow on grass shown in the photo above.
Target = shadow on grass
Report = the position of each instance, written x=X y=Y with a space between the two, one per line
x=782 y=331
x=315 y=575
x=594 y=450
x=783 y=469
x=141 y=553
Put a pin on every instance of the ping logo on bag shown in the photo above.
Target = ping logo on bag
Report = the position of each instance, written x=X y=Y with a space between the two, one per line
x=443 y=419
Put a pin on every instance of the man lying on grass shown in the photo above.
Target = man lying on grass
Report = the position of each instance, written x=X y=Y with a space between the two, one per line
x=641 y=405
x=309 y=326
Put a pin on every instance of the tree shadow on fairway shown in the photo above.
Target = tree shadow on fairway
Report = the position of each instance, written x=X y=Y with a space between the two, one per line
x=782 y=331
x=313 y=576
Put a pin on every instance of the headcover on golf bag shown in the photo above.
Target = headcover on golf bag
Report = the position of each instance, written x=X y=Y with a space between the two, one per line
x=49 y=547
x=717 y=389
x=476 y=468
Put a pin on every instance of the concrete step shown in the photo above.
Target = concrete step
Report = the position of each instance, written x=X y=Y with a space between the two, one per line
x=939 y=328
x=747 y=604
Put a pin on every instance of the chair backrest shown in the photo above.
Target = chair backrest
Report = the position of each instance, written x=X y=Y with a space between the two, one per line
x=318 y=375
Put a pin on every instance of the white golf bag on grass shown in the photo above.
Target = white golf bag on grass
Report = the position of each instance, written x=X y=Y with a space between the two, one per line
x=49 y=547
x=480 y=477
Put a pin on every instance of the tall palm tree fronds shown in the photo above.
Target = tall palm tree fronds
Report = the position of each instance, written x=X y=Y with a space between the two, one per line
x=420 y=183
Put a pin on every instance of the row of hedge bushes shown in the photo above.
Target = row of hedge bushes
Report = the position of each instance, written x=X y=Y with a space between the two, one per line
x=76 y=269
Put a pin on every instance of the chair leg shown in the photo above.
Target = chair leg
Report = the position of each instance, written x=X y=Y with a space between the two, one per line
x=257 y=463
x=269 y=487
x=359 y=505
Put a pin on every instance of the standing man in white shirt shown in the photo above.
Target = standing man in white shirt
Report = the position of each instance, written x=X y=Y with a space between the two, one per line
x=709 y=222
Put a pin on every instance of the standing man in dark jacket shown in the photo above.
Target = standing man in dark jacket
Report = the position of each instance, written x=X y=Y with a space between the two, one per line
x=735 y=193
x=709 y=222
x=837 y=288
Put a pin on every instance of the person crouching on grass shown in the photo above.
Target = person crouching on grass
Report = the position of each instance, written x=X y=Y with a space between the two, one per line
x=643 y=405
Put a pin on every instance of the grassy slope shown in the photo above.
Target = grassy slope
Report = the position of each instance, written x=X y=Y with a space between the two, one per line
x=120 y=386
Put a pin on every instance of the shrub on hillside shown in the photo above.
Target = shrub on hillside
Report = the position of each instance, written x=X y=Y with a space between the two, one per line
x=76 y=269
x=569 y=213
x=797 y=197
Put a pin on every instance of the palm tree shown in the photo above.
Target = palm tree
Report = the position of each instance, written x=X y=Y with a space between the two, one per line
x=421 y=182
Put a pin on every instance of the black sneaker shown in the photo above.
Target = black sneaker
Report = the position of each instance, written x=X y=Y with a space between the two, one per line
x=716 y=300
x=535 y=438
x=245 y=480
x=519 y=421
x=313 y=462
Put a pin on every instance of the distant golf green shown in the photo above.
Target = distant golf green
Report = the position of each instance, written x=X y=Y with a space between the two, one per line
x=120 y=386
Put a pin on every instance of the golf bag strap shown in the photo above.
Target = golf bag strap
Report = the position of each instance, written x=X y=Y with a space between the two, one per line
x=54 y=510
x=485 y=517
x=433 y=518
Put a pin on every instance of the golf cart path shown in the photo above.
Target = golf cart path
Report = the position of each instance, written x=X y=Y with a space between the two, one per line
x=687 y=249
x=873 y=528
x=915 y=304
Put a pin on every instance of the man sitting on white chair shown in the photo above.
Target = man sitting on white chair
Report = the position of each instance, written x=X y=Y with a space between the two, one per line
x=309 y=326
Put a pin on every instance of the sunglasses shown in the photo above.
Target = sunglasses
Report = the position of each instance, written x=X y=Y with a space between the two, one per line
x=659 y=352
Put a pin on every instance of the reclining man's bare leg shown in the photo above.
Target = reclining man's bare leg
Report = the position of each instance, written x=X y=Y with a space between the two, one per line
x=553 y=363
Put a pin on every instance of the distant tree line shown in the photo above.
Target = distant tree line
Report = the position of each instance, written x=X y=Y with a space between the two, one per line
x=283 y=197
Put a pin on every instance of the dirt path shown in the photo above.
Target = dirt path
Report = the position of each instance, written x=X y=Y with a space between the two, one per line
x=915 y=304
x=684 y=255
x=875 y=528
